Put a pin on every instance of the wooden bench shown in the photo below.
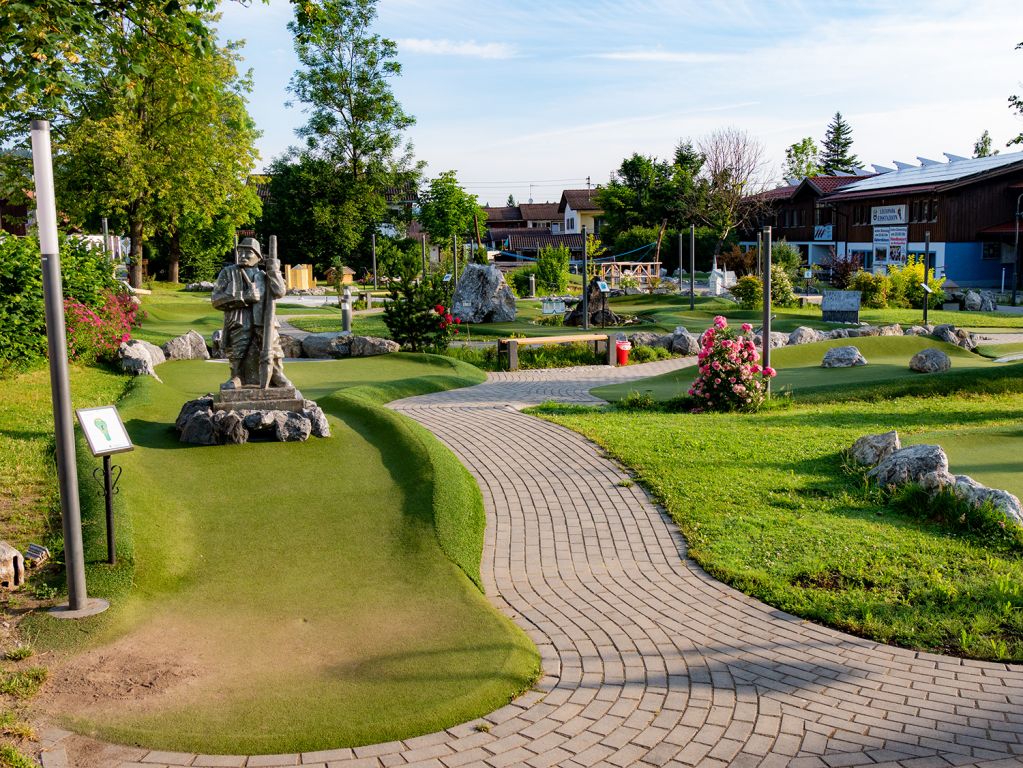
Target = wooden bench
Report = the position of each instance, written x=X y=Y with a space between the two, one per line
x=511 y=346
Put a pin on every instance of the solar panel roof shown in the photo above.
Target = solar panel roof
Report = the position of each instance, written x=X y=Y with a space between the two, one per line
x=939 y=173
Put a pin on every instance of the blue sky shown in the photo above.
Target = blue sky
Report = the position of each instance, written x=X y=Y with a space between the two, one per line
x=548 y=93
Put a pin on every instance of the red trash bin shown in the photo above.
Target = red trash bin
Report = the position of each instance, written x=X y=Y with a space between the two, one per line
x=622 y=349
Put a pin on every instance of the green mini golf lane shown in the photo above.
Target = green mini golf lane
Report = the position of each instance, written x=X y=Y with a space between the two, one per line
x=800 y=372
x=290 y=597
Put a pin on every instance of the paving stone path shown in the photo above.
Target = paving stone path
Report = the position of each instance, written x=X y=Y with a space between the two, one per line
x=647 y=659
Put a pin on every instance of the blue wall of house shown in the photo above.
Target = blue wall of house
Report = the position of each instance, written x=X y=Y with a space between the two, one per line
x=965 y=265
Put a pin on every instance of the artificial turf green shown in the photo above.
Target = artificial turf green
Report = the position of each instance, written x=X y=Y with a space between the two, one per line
x=766 y=505
x=314 y=583
x=801 y=375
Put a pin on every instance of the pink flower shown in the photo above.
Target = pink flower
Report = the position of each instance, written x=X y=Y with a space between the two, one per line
x=720 y=322
x=769 y=372
x=746 y=327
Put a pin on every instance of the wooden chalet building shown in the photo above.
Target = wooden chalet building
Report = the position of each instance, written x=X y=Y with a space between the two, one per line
x=969 y=207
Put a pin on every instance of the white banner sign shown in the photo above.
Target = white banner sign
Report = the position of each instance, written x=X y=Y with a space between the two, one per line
x=888 y=214
x=822 y=232
x=881 y=237
x=897 y=240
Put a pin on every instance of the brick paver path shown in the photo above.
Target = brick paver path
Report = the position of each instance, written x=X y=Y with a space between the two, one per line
x=647 y=659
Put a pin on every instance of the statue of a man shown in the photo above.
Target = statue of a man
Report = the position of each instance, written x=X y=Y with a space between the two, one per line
x=246 y=294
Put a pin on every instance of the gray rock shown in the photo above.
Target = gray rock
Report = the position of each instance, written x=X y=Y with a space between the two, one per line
x=979 y=301
x=140 y=357
x=323 y=346
x=975 y=493
x=292 y=345
x=892 y=330
x=483 y=296
x=650 y=339
x=684 y=343
x=937 y=481
x=292 y=427
x=804 y=335
x=318 y=421
x=930 y=360
x=198 y=429
x=190 y=346
x=777 y=339
x=958 y=336
x=839 y=333
x=917 y=330
x=843 y=357
x=869 y=450
x=864 y=330
x=229 y=428
x=910 y=465
x=202 y=286
x=199 y=405
x=368 y=346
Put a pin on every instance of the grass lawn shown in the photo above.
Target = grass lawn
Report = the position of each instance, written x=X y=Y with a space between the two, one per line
x=291 y=597
x=999 y=350
x=765 y=506
x=800 y=372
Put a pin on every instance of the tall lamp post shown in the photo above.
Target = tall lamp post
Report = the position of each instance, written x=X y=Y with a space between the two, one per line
x=586 y=287
x=79 y=604
x=927 y=269
x=1015 y=269
x=765 y=332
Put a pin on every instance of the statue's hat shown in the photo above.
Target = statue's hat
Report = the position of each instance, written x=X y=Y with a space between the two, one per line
x=252 y=244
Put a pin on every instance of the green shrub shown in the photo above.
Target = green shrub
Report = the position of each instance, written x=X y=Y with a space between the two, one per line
x=907 y=285
x=786 y=256
x=484 y=358
x=559 y=356
x=645 y=354
x=417 y=314
x=875 y=289
x=550 y=321
x=519 y=280
x=88 y=278
x=749 y=292
x=782 y=294
x=552 y=269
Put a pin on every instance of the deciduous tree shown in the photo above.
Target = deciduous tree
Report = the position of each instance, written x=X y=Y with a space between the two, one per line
x=982 y=146
x=446 y=210
x=732 y=175
x=802 y=159
x=1016 y=103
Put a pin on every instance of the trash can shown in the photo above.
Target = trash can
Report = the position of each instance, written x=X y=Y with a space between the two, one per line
x=622 y=349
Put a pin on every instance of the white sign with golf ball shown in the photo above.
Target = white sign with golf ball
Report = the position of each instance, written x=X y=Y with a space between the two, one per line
x=104 y=430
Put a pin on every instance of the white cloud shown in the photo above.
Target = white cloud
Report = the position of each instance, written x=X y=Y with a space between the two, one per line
x=456 y=48
x=669 y=57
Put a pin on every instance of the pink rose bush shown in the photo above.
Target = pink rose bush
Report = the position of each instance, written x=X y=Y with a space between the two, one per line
x=730 y=375
x=96 y=333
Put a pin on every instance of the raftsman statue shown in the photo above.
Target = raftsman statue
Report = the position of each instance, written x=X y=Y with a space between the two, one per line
x=246 y=295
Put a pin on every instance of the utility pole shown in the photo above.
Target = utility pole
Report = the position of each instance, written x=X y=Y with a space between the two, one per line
x=79 y=604
x=586 y=286
x=765 y=333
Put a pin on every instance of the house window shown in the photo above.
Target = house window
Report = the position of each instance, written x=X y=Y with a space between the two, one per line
x=570 y=224
x=555 y=229
x=992 y=251
x=934 y=209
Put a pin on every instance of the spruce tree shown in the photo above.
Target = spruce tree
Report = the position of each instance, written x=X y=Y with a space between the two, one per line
x=836 y=155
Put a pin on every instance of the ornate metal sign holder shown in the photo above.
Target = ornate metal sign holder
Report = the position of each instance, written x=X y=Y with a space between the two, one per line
x=106 y=436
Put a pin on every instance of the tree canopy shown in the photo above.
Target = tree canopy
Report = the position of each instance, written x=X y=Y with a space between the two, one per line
x=1016 y=103
x=837 y=147
x=802 y=159
x=447 y=210
x=982 y=146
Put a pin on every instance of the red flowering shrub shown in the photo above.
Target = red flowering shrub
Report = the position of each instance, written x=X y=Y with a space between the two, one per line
x=731 y=377
x=95 y=334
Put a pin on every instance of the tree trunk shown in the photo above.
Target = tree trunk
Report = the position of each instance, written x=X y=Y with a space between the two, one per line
x=175 y=256
x=135 y=270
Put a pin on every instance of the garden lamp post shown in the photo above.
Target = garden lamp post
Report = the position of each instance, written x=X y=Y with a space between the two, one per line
x=586 y=287
x=927 y=268
x=692 y=267
x=1015 y=269
x=765 y=333
x=79 y=604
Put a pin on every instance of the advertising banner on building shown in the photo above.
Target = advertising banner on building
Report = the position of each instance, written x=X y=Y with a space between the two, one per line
x=822 y=232
x=898 y=238
x=881 y=215
x=881 y=236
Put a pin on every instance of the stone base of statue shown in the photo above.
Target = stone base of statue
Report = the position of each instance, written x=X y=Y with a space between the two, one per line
x=246 y=413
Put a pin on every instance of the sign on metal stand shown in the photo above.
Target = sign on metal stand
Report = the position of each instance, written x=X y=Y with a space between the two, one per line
x=79 y=605
x=106 y=435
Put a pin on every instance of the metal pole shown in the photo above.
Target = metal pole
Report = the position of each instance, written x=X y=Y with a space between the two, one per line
x=586 y=287
x=927 y=267
x=680 y=267
x=60 y=390
x=108 y=493
x=1015 y=269
x=765 y=334
x=374 y=241
x=692 y=267
x=106 y=238
x=424 y=257
x=760 y=256
x=454 y=256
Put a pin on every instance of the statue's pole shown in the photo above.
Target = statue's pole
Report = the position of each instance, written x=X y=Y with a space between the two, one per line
x=266 y=361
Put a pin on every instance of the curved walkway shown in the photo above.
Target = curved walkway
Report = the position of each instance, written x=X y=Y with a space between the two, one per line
x=647 y=659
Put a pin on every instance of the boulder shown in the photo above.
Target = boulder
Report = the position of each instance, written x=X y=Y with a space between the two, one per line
x=368 y=346
x=191 y=346
x=864 y=330
x=843 y=357
x=292 y=345
x=869 y=450
x=930 y=360
x=839 y=333
x=917 y=330
x=139 y=357
x=198 y=428
x=777 y=339
x=317 y=420
x=804 y=335
x=199 y=405
x=292 y=427
x=483 y=296
x=910 y=465
x=202 y=286
x=971 y=491
x=229 y=428
x=892 y=330
x=979 y=301
x=937 y=481
x=649 y=339
x=323 y=346
x=684 y=343
x=958 y=336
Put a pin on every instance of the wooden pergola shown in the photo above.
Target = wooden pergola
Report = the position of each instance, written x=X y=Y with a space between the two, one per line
x=612 y=272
